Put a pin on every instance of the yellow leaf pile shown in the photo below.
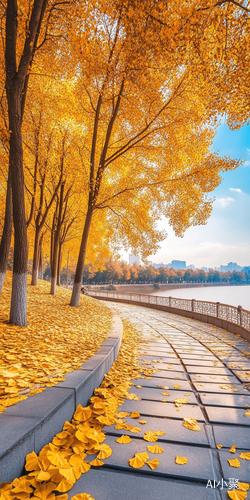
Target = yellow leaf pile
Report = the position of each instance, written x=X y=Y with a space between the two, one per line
x=60 y=463
x=57 y=340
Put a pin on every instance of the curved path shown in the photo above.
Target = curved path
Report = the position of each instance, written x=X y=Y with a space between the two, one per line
x=210 y=368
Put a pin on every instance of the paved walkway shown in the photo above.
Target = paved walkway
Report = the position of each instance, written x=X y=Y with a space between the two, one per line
x=210 y=368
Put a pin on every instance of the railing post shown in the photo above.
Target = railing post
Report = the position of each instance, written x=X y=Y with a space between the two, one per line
x=239 y=313
x=192 y=305
x=217 y=309
x=170 y=301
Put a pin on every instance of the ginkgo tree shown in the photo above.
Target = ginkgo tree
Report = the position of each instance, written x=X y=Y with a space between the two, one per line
x=146 y=118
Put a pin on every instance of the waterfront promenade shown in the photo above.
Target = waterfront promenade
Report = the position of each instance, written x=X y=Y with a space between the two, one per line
x=203 y=373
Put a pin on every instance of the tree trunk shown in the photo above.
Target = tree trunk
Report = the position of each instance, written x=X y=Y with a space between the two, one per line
x=7 y=232
x=40 y=267
x=75 y=297
x=59 y=265
x=68 y=270
x=56 y=245
x=18 y=310
x=35 y=259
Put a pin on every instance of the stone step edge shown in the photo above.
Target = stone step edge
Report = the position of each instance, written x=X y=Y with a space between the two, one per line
x=31 y=424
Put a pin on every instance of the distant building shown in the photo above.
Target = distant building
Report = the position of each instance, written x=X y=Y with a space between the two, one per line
x=231 y=266
x=177 y=264
x=191 y=267
x=134 y=259
x=205 y=269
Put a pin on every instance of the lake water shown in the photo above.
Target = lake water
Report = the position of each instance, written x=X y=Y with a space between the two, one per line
x=232 y=295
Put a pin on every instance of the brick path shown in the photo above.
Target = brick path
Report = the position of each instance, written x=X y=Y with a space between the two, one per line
x=213 y=366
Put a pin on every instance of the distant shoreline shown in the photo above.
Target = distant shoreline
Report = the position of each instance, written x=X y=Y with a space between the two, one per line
x=149 y=288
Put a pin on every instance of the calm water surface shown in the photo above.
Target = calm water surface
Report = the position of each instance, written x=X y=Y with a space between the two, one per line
x=233 y=295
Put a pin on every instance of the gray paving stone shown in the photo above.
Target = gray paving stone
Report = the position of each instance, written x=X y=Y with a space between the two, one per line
x=178 y=375
x=155 y=382
x=166 y=359
x=200 y=362
x=156 y=394
x=216 y=388
x=208 y=370
x=41 y=405
x=230 y=400
x=227 y=435
x=204 y=356
x=152 y=408
x=217 y=379
x=242 y=473
x=222 y=415
x=164 y=366
x=109 y=484
x=242 y=375
x=174 y=430
x=200 y=465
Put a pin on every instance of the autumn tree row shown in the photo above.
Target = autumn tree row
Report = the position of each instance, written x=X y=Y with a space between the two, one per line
x=108 y=112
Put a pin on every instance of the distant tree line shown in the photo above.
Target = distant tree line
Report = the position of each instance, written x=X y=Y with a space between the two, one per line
x=118 y=272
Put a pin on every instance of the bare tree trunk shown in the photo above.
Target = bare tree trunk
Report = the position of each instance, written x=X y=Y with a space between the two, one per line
x=75 y=297
x=7 y=232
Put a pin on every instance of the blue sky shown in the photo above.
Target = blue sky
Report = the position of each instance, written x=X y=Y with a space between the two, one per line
x=226 y=236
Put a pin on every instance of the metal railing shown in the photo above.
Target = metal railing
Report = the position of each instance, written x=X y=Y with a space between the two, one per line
x=236 y=315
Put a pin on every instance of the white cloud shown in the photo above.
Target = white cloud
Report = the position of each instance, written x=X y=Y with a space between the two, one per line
x=224 y=202
x=246 y=163
x=237 y=190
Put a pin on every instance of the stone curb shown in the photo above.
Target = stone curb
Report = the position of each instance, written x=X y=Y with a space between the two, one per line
x=31 y=424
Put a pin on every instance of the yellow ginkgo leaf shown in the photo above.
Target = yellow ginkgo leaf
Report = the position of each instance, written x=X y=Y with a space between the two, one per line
x=165 y=394
x=81 y=496
x=186 y=393
x=105 y=451
x=243 y=486
x=135 y=414
x=82 y=414
x=123 y=414
x=56 y=458
x=138 y=387
x=32 y=462
x=181 y=460
x=155 y=449
x=232 y=449
x=176 y=386
x=64 y=485
x=160 y=433
x=43 y=476
x=245 y=456
x=234 y=462
x=124 y=439
x=135 y=429
x=153 y=464
x=96 y=463
x=247 y=414
x=142 y=422
x=136 y=462
x=191 y=423
x=23 y=486
x=150 y=436
x=44 y=490
x=164 y=387
x=237 y=495
x=143 y=456
x=219 y=446
x=180 y=401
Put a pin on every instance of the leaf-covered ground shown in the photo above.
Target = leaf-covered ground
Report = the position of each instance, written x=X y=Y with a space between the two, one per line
x=57 y=340
x=60 y=463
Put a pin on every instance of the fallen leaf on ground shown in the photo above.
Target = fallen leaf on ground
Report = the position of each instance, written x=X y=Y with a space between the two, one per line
x=191 y=423
x=155 y=449
x=245 y=456
x=232 y=449
x=181 y=460
x=153 y=464
x=237 y=495
x=234 y=462
x=124 y=439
